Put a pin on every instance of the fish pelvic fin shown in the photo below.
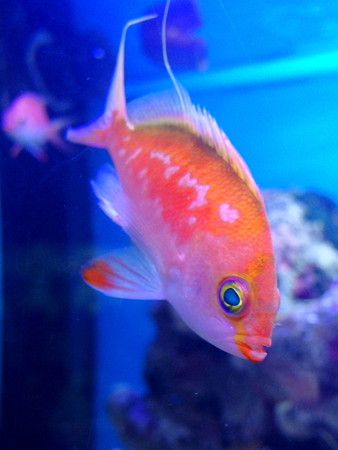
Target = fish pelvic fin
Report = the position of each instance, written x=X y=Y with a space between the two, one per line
x=112 y=199
x=95 y=134
x=124 y=273
x=116 y=204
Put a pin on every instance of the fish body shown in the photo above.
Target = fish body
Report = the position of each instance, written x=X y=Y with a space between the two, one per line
x=27 y=123
x=197 y=219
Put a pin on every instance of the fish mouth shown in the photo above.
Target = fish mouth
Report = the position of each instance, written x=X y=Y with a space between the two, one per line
x=253 y=347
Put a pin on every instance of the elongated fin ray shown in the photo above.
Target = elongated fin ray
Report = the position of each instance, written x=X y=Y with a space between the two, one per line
x=94 y=134
x=124 y=273
x=116 y=100
x=165 y=56
x=179 y=107
x=174 y=107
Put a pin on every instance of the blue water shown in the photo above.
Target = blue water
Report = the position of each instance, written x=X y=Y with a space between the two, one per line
x=271 y=84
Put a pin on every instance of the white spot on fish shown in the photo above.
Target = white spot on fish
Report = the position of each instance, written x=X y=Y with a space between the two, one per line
x=228 y=214
x=187 y=180
x=181 y=255
x=201 y=190
x=169 y=171
x=142 y=173
x=134 y=155
x=156 y=207
x=161 y=156
x=121 y=152
x=191 y=220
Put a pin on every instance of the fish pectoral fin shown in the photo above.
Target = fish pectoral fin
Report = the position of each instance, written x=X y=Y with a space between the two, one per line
x=124 y=273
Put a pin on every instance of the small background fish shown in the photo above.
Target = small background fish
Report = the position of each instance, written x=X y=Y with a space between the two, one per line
x=27 y=123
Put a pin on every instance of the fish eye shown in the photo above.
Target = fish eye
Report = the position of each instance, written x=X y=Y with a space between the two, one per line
x=231 y=295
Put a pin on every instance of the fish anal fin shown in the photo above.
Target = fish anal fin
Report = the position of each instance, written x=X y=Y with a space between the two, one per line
x=124 y=273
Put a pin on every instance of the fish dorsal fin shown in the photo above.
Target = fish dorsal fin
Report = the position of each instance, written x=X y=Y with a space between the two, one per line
x=168 y=107
x=206 y=127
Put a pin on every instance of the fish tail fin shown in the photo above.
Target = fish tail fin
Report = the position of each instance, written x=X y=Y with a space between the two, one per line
x=93 y=134
x=116 y=109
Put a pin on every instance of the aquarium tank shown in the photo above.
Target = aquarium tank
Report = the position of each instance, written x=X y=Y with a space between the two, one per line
x=87 y=371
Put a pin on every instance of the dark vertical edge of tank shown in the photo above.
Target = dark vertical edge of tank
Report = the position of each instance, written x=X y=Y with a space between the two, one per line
x=48 y=320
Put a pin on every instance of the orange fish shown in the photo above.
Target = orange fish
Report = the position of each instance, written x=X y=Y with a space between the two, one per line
x=194 y=213
x=27 y=123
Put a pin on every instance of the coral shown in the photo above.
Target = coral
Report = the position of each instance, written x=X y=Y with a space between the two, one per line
x=200 y=398
x=304 y=232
